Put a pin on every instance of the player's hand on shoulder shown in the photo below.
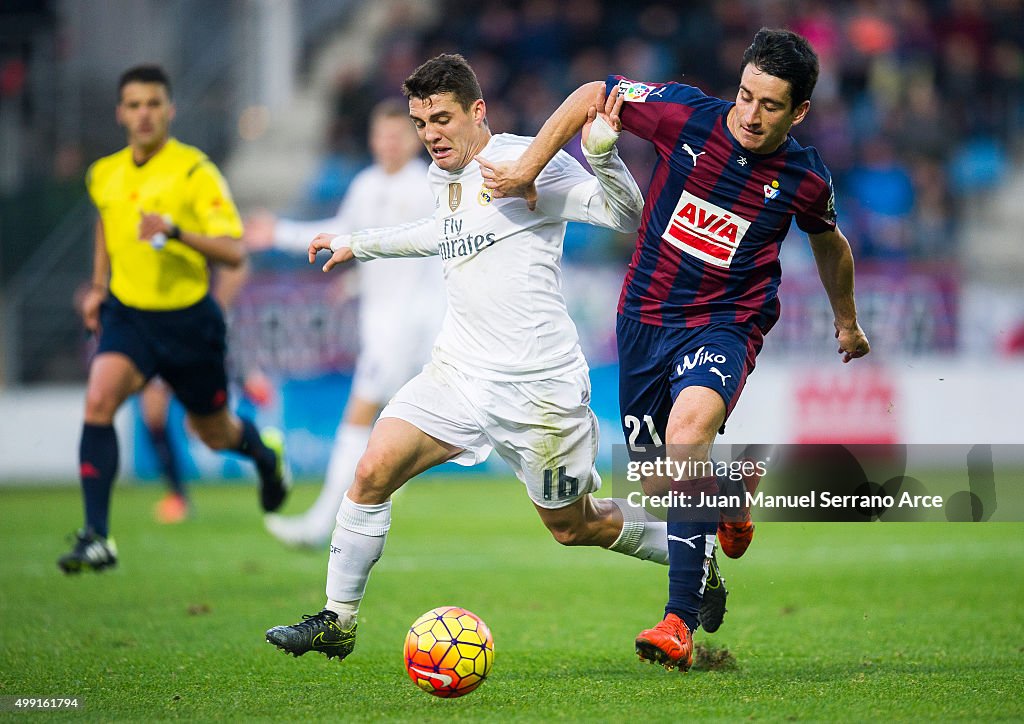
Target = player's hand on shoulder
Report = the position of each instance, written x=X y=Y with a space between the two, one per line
x=601 y=131
x=853 y=343
x=506 y=180
x=337 y=244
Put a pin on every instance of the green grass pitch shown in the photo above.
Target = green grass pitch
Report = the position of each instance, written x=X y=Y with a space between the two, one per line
x=862 y=621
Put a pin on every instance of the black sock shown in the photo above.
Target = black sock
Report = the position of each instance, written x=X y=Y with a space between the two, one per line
x=168 y=460
x=97 y=456
x=691 y=534
x=252 y=446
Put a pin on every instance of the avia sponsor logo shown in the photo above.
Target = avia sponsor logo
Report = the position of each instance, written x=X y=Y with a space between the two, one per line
x=638 y=92
x=699 y=358
x=705 y=231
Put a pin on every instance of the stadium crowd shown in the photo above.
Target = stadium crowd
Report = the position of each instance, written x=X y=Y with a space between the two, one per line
x=918 y=109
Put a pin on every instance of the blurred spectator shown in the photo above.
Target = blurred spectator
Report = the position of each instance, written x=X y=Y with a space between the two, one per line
x=900 y=152
x=943 y=80
x=881 y=198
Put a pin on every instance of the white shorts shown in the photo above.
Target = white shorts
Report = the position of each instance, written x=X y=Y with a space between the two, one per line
x=544 y=429
x=394 y=344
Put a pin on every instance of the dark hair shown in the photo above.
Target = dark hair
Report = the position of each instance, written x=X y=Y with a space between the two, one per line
x=144 y=74
x=785 y=55
x=447 y=73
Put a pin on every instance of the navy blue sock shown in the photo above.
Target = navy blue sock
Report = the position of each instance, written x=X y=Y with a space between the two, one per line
x=97 y=462
x=691 y=534
x=168 y=460
x=253 y=448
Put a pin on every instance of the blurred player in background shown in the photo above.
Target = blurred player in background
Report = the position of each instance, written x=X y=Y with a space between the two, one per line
x=155 y=403
x=507 y=372
x=701 y=290
x=401 y=303
x=165 y=214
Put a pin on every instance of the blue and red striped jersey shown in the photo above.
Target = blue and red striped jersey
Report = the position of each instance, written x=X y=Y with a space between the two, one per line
x=715 y=214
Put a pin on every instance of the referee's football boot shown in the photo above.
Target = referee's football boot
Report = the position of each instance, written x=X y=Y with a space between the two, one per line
x=670 y=644
x=90 y=552
x=276 y=480
x=318 y=632
x=712 y=606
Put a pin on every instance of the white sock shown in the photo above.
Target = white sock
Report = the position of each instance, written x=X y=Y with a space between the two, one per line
x=641 y=536
x=346 y=610
x=357 y=544
x=349 y=444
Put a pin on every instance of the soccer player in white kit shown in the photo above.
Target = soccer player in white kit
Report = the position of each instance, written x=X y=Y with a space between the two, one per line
x=401 y=303
x=507 y=373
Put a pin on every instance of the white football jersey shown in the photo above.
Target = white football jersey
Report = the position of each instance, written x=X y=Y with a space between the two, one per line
x=506 y=318
x=374 y=199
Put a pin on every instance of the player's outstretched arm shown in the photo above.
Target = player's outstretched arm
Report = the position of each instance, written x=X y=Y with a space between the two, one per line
x=340 y=246
x=515 y=178
x=834 y=259
x=417 y=238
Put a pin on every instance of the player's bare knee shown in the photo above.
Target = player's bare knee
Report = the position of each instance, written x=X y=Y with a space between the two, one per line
x=373 y=481
x=575 y=532
x=214 y=439
x=99 y=408
x=566 y=535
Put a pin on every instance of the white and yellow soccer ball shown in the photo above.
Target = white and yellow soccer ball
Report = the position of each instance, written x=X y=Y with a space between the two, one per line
x=448 y=651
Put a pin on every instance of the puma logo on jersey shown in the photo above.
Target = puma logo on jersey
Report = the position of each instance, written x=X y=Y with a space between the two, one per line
x=693 y=154
x=704 y=230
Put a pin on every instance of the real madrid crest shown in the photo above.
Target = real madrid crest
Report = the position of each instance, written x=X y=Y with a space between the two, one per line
x=485 y=196
x=454 y=195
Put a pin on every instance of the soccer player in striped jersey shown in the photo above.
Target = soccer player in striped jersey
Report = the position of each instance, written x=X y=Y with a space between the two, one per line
x=701 y=289
x=507 y=374
x=165 y=215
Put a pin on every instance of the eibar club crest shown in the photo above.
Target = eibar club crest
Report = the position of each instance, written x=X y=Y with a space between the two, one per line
x=771 y=190
x=454 y=195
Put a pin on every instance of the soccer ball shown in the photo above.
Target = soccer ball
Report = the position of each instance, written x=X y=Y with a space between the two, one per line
x=448 y=651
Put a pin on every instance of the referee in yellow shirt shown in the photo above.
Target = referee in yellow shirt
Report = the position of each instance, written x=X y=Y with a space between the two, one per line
x=165 y=214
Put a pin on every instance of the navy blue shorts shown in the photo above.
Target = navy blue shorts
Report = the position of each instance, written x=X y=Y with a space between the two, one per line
x=186 y=347
x=657 y=363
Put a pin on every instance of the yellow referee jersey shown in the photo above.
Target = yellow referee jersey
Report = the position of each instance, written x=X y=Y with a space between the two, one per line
x=181 y=182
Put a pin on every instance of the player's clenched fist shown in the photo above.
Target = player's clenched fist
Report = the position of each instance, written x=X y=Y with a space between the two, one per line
x=338 y=244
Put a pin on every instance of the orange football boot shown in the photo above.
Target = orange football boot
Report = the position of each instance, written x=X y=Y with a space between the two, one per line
x=735 y=531
x=669 y=644
x=735 y=535
x=173 y=508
